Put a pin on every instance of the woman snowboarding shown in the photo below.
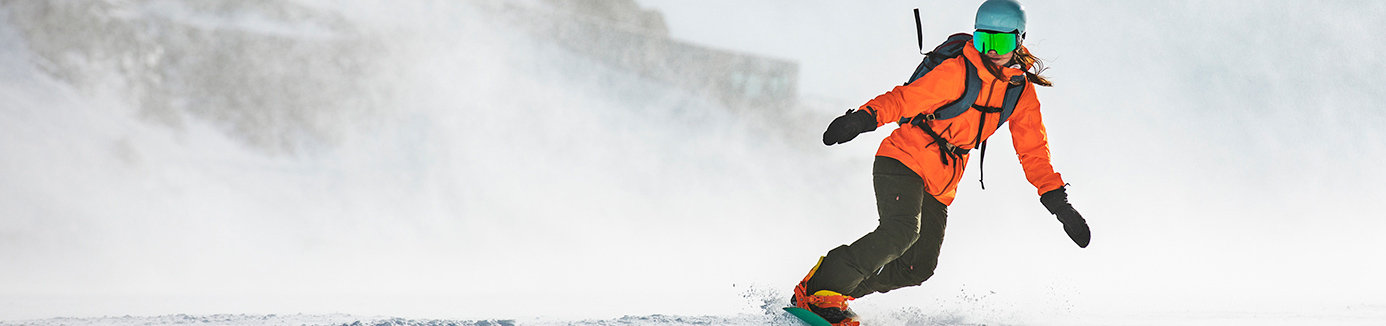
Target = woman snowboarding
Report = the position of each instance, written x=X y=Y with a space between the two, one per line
x=943 y=115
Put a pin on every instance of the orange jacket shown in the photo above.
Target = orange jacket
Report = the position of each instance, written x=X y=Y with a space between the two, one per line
x=912 y=146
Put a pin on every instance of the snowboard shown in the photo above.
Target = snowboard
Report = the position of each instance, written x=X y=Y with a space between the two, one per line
x=808 y=317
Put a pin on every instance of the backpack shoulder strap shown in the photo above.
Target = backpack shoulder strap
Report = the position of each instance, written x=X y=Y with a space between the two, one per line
x=1013 y=93
x=972 y=89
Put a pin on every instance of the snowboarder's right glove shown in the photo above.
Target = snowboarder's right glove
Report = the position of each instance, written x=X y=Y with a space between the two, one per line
x=1077 y=228
x=847 y=126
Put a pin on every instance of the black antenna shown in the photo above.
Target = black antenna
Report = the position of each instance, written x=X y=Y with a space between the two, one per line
x=919 y=30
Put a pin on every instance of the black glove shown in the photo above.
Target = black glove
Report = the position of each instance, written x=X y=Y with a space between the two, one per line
x=847 y=126
x=1077 y=228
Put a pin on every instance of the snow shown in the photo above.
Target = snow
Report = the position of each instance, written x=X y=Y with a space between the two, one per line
x=428 y=163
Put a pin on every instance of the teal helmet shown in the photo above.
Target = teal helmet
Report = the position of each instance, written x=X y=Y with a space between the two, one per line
x=1006 y=16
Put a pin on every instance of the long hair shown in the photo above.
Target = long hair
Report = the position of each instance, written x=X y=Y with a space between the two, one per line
x=1032 y=65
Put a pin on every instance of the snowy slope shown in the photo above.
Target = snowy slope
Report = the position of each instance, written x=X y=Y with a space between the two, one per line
x=317 y=162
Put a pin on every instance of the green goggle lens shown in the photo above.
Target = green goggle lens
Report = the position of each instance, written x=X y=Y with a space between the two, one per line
x=1002 y=43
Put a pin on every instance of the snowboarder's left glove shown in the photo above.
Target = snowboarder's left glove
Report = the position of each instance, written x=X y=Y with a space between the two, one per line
x=1077 y=228
x=847 y=126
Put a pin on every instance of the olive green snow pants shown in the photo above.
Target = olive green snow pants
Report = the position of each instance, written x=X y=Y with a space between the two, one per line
x=902 y=251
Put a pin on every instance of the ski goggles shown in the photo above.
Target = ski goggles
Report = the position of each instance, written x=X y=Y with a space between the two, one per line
x=1002 y=43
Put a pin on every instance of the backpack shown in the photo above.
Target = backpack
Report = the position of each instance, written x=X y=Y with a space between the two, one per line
x=953 y=48
x=949 y=49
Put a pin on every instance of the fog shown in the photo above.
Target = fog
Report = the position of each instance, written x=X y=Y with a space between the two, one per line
x=459 y=160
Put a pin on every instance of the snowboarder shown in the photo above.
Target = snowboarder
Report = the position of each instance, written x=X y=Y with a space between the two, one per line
x=918 y=167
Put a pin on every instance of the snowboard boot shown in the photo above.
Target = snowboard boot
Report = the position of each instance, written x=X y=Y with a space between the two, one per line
x=830 y=305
